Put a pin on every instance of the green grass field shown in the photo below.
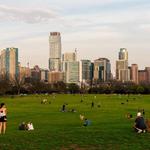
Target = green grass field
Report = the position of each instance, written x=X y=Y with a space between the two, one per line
x=55 y=130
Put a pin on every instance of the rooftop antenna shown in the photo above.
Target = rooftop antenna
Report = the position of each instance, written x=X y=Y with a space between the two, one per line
x=75 y=50
x=28 y=64
x=75 y=53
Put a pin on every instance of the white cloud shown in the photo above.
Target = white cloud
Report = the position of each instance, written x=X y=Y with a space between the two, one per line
x=34 y=15
x=97 y=34
x=78 y=2
x=145 y=27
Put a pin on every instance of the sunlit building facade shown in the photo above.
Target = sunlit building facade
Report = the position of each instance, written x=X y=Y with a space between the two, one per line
x=55 y=51
x=102 y=69
x=85 y=70
x=122 y=70
x=54 y=77
x=134 y=73
x=9 y=63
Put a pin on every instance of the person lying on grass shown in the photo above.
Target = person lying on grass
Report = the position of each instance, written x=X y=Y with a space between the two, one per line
x=139 y=126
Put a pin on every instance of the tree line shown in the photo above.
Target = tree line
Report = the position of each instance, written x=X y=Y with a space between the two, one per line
x=32 y=86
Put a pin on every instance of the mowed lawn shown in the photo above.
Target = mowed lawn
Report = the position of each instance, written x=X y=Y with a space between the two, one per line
x=55 y=130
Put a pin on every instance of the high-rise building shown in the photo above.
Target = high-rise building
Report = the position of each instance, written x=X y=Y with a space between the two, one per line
x=122 y=70
x=54 y=77
x=102 y=69
x=144 y=75
x=147 y=69
x=72 y=72
x=69 y=57
x=55 y=51
x=9 y=63
x=141 y=76
x=24 y=72
x=44 y=75
x=85 y=70
x=36 y=73
x=92 y=71
x=70 y=66
x=134 y=73
x=123 y=54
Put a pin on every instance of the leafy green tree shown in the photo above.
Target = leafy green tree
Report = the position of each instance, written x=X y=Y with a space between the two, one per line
x=73 y=88
x=5 y=86
x=140 y=89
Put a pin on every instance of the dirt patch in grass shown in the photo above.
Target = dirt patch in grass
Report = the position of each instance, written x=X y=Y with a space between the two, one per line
x=91 y=147
x=77 y=147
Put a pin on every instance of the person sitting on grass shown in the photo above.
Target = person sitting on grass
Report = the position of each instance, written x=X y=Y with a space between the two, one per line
x=81 y=101
x=73 y=110
x=129 y=116
x=30 y=126
x=23 y=126
x=44 y=101
x=139 y=125
x=86 y=122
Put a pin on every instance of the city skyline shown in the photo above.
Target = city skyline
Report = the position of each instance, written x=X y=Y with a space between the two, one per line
x=96 y=28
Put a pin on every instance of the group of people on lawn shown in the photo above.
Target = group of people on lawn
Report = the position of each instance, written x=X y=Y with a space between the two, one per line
x=140 y=125
x=3 y=121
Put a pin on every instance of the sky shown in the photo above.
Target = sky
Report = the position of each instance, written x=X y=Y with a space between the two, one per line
x=97 y=28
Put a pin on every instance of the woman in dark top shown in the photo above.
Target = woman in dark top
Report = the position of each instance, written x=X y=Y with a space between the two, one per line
x=140 y=125
x=3 y=118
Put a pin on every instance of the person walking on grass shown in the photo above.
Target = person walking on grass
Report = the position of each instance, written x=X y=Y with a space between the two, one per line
x=92 y=104
x=63 y=108
x=3 y=118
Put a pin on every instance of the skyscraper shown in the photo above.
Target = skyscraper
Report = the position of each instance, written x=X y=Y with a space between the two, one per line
x=147 y=74
x=122 y=71
x=85 y=70
x=72 y=72
x=102 y=69
x=69 y=57
x=144 y=75
x=134 y=73
x=55 y=51
x=54 y=77
x=36 y=73
x=70 y=66
x=9 y=63
x=123 y=54
x=24 y=72
x=44 y=75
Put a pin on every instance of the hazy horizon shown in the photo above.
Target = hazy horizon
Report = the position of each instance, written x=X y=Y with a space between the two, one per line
x=96 y=28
